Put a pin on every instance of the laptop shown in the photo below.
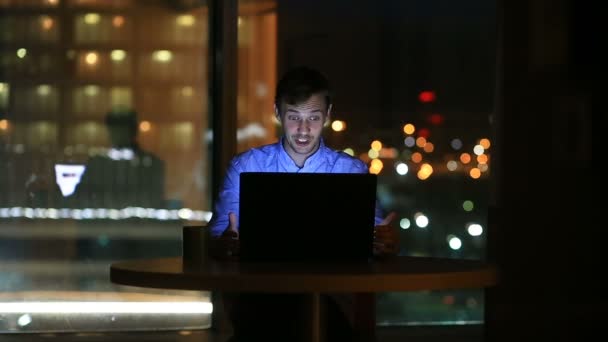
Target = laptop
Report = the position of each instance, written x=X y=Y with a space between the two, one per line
x=306 y=216
x=67 y=177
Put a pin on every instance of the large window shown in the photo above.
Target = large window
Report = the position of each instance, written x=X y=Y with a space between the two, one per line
x=103 y=154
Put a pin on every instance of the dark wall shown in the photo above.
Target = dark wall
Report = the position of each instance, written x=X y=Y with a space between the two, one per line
x=341 y=39
x=545 y=233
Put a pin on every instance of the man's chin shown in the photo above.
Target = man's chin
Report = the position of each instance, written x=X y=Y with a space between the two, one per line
x=307 y=149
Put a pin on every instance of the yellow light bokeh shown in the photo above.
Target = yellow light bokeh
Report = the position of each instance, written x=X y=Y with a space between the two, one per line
x=91 y=58
x=475 y=173
x=92 y=18
x=376 y=145
x=185 y=20
x=376 y=166
x=409 y=129
x=144 y=126
x=426 y=170
x=163 y=56
x=118 y=55
x=429 y=147
x=338 y=125
x=3 y=124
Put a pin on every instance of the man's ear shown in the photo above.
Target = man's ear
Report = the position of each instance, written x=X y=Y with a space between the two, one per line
x=327 y=116
x=277 y=115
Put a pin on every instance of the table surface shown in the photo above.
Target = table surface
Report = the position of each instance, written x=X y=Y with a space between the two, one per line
x=401 y=273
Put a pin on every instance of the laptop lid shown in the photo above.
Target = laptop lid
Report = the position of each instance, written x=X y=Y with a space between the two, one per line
x=306 y=216
x=67 y=177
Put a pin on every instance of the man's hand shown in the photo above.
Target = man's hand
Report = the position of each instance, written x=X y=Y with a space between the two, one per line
x=226 y=246
x=386 y=237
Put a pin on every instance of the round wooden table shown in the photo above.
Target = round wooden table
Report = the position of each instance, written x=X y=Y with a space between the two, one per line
x=396 y=274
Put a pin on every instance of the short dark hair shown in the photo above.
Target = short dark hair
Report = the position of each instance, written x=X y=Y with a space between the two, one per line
x=123 y=118
x=299 y=84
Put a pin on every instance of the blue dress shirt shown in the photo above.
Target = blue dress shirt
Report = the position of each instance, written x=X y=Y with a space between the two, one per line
x=274 y=158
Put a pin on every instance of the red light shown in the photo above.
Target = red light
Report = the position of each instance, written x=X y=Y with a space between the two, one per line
x=424 y=132
x=436 y=119
x=426 y=96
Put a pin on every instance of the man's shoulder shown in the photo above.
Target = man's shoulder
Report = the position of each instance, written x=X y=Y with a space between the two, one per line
x=256 y=154
x=344 y=162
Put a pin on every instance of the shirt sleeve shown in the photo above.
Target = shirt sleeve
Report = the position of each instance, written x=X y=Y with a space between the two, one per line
x=227 y=201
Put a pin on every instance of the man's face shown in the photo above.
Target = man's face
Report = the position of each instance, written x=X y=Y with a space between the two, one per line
x=302 y=126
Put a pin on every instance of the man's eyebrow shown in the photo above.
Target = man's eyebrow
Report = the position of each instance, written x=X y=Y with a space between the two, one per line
x=292 y=110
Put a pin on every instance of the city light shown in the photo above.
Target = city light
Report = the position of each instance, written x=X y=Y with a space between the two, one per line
x=427 y=96
x=145 y=126
x=104 y=213
x=456 y=144
x=474 y=229
x=92 y=18
x=409 y=141
x=468 y=205
x=409 y=128
x=478 y=149
x=421 y=220
x=420 y=142
x=118 y=55
x=162 y=56
x=118 y=21
x=106 y=307
x=452 y=165
x=454 y=242
x=475 y=173
x=376 y=145
x=405 y=223
x=185 y=20
x=485 y=143
x=43 y=90
x=338 y=125
x=91 y=58
x=402 y=168
x=426 y=170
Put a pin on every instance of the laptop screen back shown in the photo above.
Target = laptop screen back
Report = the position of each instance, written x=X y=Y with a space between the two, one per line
x=306 y=216
x=67 y=177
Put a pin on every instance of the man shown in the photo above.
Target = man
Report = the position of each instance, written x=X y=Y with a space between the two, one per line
x=125 y=176
x=303 y=107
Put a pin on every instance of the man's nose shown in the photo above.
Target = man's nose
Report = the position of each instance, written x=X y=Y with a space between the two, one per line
x=303 y=126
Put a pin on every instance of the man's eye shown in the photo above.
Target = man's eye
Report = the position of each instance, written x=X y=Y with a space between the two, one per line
x=293 y=118
x=315 y=118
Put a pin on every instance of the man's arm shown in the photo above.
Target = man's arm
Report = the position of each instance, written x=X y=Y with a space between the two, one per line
x=227 y=201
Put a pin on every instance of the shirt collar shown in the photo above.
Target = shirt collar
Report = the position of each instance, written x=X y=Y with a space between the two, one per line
x=290 y=165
